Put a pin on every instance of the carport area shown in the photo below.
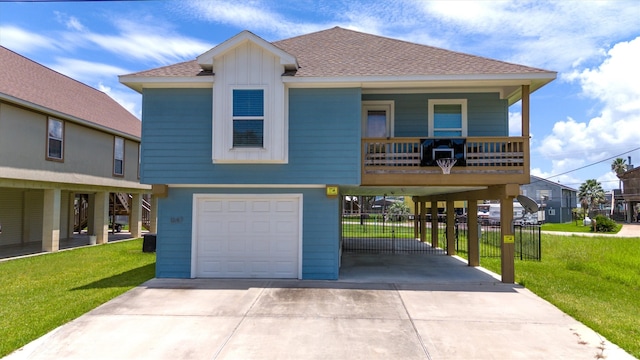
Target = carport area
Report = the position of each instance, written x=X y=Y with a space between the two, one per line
x=426 y=307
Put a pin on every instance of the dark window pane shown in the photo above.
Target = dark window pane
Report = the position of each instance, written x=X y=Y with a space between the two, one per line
x=55 y=149
x=117 y=167
x=248 y=133
x=248 y=102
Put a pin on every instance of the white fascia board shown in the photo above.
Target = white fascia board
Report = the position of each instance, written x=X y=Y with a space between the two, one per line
x=66 y=117
x=424 y=80
x=138 y=83
x=206 y=60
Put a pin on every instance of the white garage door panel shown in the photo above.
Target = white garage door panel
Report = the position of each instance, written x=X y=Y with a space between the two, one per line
x=242 y=236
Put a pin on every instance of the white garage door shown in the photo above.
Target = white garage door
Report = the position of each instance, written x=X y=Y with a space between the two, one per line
x=246 y=236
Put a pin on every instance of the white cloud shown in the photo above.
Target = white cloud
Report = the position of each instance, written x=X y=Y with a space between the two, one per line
x=515 y=123
x=128 y=100
x=145 y=41
x=22 y=41
x=70 y=22
x=553 y=34
x=86 y=71
x=613 y=84
x=253 y=15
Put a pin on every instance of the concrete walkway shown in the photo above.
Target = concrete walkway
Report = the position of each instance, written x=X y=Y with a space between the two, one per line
x=384 y=307
x=631 y=230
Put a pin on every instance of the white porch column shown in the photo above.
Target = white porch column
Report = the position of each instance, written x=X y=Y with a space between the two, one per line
x=101 y=217
x=71 y=214
x=153 y=215
x=135 y=216
x=51 y=220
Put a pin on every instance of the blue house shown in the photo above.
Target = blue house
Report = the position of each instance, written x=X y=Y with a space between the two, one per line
x=250 y=146
x=555 y=199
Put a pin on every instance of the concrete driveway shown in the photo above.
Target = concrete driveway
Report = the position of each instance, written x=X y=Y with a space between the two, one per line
x=384 y=307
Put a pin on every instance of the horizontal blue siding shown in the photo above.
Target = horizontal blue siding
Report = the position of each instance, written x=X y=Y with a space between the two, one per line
x=320 y=234
x=324 y=140
x=487 y=114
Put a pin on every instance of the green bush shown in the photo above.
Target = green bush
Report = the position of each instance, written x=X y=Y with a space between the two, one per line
x=605 y=224
x=399 y=211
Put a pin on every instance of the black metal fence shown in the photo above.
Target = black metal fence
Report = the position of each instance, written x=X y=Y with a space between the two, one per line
x=378 y=234
x=526 y=237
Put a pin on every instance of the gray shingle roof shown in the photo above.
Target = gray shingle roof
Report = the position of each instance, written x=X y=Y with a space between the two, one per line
x=339 y=52
x=30 y=82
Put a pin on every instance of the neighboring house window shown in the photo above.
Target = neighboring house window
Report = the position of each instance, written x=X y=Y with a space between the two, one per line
x=55 y=139
x=248 y=118
x=118 y=156
x=448 y=118
x=543 y=194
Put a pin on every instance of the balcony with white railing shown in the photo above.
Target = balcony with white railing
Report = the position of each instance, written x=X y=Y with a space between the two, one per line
x=480 y=161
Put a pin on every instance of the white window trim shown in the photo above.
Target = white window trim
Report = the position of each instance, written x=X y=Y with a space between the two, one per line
x=266 y=129
x=433 y=102
x=386 y=105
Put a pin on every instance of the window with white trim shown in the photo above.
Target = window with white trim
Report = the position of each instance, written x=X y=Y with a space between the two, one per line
x=118 y=156
x=248 y=118
x=448 y=118
x=55 y=139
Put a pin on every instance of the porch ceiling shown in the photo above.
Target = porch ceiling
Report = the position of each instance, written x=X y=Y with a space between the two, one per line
x=406 y=190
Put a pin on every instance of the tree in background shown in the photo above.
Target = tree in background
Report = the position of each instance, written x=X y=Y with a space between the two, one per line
x=591 y=195
x=619 y=166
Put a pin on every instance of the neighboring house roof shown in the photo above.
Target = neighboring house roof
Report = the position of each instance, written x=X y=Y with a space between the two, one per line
x=339 y=53
x=535 y=179
x=29 y=84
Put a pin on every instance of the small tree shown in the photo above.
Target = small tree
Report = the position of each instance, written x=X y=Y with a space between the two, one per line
x=591 y=195
x=619 y=166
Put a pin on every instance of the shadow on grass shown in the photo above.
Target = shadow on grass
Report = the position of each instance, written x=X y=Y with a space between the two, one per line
x=133 y=277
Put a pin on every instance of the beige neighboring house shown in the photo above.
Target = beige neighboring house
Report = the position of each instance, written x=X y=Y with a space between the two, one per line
x=69 y=158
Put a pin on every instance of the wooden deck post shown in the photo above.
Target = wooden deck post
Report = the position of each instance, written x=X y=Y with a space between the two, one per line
x=473 y=236
x=451 y=228
x=434 y=224
x=507 y=240
x=416 y=219
x=423 y=221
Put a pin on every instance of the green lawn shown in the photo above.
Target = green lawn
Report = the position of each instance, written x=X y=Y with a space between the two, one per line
x=596 y=280
x=43 y=292
x=571 y=227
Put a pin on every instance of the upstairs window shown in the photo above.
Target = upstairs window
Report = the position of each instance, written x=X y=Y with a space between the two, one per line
x=55 y=139
x=448 y=118
x=118 y=156
x=248 y=118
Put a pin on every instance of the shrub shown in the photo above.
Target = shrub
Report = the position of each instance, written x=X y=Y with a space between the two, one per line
x=605 y=224
x=399 y=211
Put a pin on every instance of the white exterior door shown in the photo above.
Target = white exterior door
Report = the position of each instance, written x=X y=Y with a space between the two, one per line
x=247 y=236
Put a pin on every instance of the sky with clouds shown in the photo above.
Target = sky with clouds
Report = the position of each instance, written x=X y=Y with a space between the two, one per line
x=587 y=116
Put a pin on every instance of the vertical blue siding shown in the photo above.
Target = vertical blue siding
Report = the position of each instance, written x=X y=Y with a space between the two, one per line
x=320 y=234
x=487 y=114
x=324 y=140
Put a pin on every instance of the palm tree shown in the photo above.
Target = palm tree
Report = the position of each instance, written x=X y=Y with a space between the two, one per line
x=619 y=166
x=591 y=194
